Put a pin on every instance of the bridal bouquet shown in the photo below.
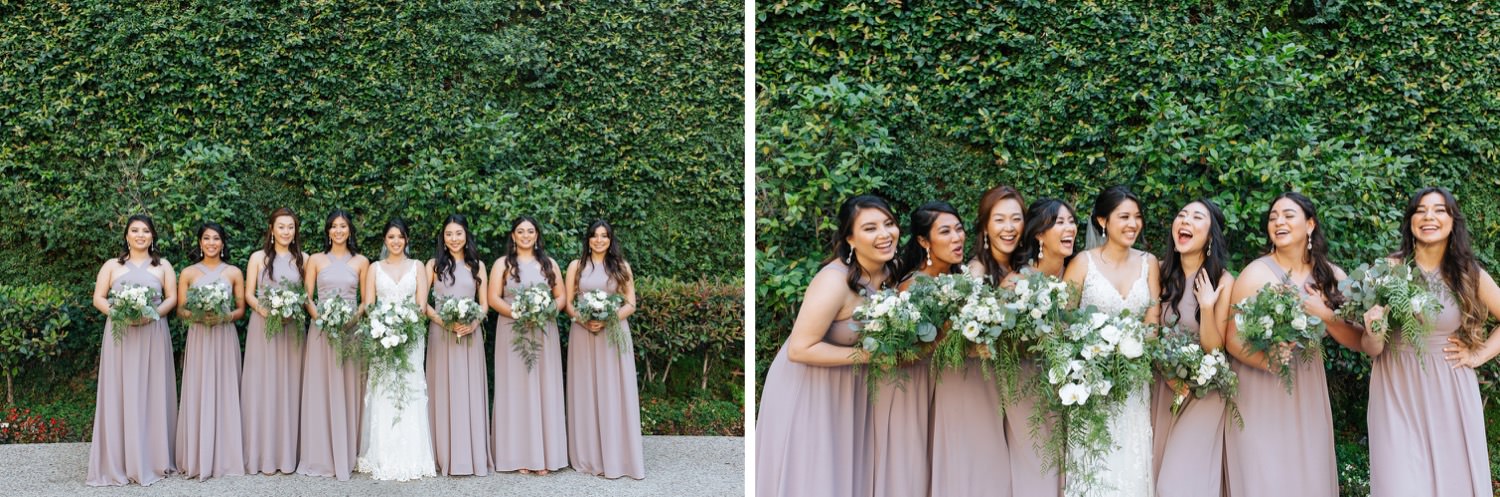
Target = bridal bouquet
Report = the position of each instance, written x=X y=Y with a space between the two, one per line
x=599 y=305
x=389 y=329
x=458 y=310
x=129 y=304
x=940 y=302
x=282 y=303
x=1179 y=358
x=888 y=330
x=532 y=309
x=334 y=314
x=1404 y=295
x=1274 y=322
x=1042 y=304
x=209 y=303
x=1090 y=367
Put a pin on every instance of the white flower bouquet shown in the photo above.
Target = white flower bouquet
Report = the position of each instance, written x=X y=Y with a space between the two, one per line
x=209 y=303
x=1179 y=359
x=533 y=309
x=887 y=326
x=283 y=303
x=455 y=311
x=599 y=305
x=1406 y=298
x=1274 y=322
x=388 y=331
x=129 y=304
x=334 y=316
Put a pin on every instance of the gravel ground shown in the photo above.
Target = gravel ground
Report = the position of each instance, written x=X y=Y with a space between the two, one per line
x=677 y=466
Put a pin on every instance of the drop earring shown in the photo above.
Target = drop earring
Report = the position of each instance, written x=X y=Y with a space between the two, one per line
x=1041 y=250
x=849 y=261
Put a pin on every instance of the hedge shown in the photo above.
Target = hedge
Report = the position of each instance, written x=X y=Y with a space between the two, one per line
x=1355 y=104
x=566 y=111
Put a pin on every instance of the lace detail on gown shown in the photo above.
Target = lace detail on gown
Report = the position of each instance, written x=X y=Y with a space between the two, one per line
x=1126 y=470
x=396 y=439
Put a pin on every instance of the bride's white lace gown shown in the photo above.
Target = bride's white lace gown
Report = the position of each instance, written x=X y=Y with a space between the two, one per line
x=396 y=439
x=1126 y=470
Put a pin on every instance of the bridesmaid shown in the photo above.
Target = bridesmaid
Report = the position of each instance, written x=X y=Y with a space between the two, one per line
x=457 y=386
x=1286 y=445
x=1189 y=447
x=136 y=406
x=1426 y=417
x=902 y=410
x=970 y=456
x=530 y=432
x=272 y=382
x=210 y=440
x=813 y=429
x=604 y=405
x=333 y=390
x=1046 y=246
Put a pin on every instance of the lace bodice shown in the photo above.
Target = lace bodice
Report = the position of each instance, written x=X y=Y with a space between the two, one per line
x=1100 y=293
x=388 y=289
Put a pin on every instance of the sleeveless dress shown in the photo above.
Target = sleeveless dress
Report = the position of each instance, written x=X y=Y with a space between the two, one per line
x=458 y=387
x=812 y=435
x=1027 y=467
x=1126 y=469
x=135 y=408
x=900 y=423
x=1426 y=418
x=332 y=391
x=210 y=437
x=271 y=388
x=396 y=442
x=531 y=426
x=970 y=456
x=1189 y=447
x=604 y=405
x=1286 y=446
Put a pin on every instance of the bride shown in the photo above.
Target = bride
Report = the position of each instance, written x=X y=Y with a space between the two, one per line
x=395 y=439
x=1115 y=278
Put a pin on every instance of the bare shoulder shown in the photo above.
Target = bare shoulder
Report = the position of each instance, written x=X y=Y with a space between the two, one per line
x=359 y=261
x=1338 y=272
x=976 y=267
x=258 y=256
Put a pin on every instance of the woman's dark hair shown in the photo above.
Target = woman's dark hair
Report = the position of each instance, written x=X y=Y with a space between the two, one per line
x=995 y=271
x=443 y=265
x=269 y=247
x=195 y=254
x=1107 y=201
x=842 y=250
x=1460 y=269
x=511 y=266
x=920 y=225
x=1174 y=284
x=1041 y=216
x=614 y=258
x=150 y=249
x=1323 y=277
x=328 y=225
x=400 y=226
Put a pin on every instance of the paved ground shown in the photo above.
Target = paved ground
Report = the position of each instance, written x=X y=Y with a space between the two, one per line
x=675 y=466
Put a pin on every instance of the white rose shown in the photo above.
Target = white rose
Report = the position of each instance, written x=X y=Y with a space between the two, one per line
x=1300 y=323
x=971 y=330
x=1036 y=314
x=1267 y=323
x=1110 y=334
x=1098 y=319
x=1131 y=347
x=1044 y=301
x=1023 y=287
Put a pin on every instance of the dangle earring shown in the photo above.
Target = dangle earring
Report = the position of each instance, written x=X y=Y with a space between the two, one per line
x=1041 y=250
x=849 y=261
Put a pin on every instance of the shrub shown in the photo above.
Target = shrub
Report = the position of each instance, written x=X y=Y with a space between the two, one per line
x=698 y=323
x=34 y=319
x=20 y=426
x=692 y=416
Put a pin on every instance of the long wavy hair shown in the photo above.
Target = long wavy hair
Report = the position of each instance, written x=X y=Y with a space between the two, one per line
x=400 y=226
x=614 y=256
x=1460 y=269
x=842 y=250
x=150 y=249
x=328 y=225
x=1174 y=284
x=995 y=271
x=269 y=246
x=1041 y=216
x=444 y=264
x=513 y=268
x=920 y=224
x=1105 y=204
x=195 y=254
x=1323 y=277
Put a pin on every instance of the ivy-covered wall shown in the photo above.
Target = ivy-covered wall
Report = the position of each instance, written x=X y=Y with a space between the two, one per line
x=1356 y=104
